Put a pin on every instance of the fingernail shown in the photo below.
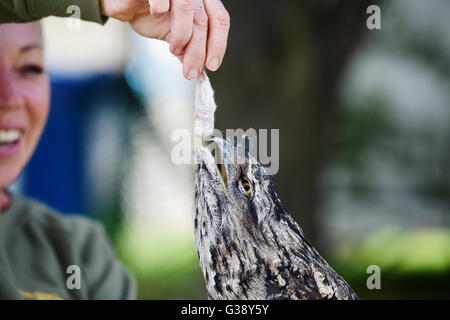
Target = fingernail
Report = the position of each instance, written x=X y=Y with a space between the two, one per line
x=214 y=64
x=193 y=74
x=176 y=51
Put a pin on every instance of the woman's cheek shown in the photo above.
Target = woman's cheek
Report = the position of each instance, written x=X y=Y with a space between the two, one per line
x=38 y=105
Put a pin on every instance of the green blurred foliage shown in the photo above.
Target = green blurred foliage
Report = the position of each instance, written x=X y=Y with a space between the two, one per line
x=360 y=128
x=165 y=267
x=414 y=264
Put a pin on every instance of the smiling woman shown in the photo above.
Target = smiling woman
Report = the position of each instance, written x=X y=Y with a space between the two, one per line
x=39 y=246
x=24 y=99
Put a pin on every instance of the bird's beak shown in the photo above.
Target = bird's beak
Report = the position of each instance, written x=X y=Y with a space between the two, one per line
x=220 y=154
x=214 y=156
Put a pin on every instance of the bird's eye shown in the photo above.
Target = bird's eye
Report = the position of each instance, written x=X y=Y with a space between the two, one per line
x=246 y=186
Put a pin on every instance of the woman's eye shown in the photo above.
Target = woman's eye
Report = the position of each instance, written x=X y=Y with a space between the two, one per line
x=31 y=69
x=246 y=186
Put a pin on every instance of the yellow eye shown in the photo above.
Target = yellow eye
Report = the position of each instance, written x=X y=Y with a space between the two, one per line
x=247 y=187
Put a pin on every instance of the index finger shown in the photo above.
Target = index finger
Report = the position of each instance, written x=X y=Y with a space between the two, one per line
x=159 y=7
x=181 y=23
x=219 y=26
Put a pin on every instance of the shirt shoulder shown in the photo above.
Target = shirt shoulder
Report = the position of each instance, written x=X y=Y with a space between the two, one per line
x=72 y=232
x=72 y=226
x=30 y=211
x=75 y=241
x=31 y=10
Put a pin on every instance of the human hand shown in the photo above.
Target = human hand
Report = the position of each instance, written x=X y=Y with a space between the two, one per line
x=197 y=30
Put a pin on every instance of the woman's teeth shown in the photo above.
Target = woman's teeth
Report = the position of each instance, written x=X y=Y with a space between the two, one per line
x=9 y=136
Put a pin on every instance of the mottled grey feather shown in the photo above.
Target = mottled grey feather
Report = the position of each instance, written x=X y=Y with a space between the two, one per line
x=249 y=246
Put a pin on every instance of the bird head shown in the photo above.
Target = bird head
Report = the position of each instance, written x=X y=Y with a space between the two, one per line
x=238 y=219
x=232 y=189
x=248 y=244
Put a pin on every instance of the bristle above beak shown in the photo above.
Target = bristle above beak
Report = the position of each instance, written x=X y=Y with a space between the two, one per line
x=219 y=159
x=223 y=174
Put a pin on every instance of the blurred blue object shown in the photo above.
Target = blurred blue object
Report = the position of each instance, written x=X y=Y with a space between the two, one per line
x=57 y=173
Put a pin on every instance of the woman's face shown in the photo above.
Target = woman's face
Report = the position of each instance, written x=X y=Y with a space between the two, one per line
x=24 y=97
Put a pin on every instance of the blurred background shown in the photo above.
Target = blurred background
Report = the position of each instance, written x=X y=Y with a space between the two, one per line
x=364 y=137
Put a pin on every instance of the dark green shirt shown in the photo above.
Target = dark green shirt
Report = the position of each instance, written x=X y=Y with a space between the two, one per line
x=31 y=10
x=40 y=247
